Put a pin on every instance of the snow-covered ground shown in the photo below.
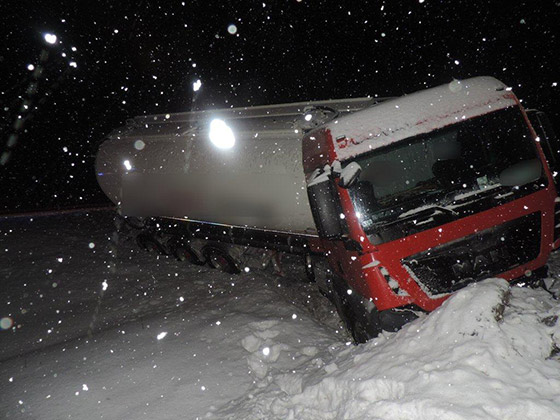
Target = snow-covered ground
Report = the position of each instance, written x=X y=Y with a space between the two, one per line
x=102 y=330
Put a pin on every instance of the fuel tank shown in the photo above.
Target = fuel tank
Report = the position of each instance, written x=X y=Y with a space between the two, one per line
x=239 y=166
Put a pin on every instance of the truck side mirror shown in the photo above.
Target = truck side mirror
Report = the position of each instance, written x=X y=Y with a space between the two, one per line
x=326 y=209
x=350 y=175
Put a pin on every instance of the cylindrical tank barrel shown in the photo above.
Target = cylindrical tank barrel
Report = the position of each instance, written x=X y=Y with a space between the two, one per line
x=191 y=169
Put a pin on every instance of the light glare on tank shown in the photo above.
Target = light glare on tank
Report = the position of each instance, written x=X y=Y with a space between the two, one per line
x=221 y=134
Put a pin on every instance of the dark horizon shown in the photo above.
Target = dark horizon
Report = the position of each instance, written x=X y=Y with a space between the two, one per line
x=112 y=62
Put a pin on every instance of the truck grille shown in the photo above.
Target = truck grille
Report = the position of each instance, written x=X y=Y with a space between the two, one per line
x=451 y=266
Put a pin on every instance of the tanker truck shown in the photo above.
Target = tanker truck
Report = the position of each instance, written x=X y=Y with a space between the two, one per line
x=406 y=199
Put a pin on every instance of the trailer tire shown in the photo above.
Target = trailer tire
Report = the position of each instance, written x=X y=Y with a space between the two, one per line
x=147 y=242
x=186 y=253
x=134 y=222
x=220 y=259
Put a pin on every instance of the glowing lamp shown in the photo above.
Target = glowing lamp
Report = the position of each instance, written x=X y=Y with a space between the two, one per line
x=221 y=134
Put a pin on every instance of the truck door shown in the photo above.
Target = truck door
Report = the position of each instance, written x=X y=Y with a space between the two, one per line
x=549 y=142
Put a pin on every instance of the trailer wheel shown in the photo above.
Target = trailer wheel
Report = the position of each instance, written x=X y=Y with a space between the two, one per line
x=135 y=222
x=186 y=253
x=219 y=259
x=148 y=243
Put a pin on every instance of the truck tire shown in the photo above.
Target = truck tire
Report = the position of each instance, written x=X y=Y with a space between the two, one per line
x=361 y=323
x=219 y=259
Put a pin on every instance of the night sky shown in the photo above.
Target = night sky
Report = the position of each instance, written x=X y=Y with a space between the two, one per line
x=117 y=59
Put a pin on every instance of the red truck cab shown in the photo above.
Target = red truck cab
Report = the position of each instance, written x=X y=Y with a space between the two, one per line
x=419 y=196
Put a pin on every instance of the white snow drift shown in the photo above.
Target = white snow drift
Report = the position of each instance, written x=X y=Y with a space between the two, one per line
x=129 y=335
x=486 y=354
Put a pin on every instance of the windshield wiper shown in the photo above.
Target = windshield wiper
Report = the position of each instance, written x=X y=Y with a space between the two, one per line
x=431 y=209
x=421 y=213
x=477 y=194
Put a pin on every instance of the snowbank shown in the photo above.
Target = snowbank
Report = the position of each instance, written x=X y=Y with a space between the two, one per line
x=488 y=352
x=129 y=335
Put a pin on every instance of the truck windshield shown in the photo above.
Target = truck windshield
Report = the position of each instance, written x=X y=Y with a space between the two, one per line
x=434 y=178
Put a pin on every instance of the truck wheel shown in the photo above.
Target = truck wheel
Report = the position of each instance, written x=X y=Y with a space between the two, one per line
x=219 y=259
x=362 y=324
x=186 y=253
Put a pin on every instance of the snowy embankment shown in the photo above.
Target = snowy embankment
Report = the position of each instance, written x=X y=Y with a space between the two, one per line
x=488 y=353
x=167 y=340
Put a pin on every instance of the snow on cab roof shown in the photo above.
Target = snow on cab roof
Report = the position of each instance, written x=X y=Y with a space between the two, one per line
x=417 y=113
